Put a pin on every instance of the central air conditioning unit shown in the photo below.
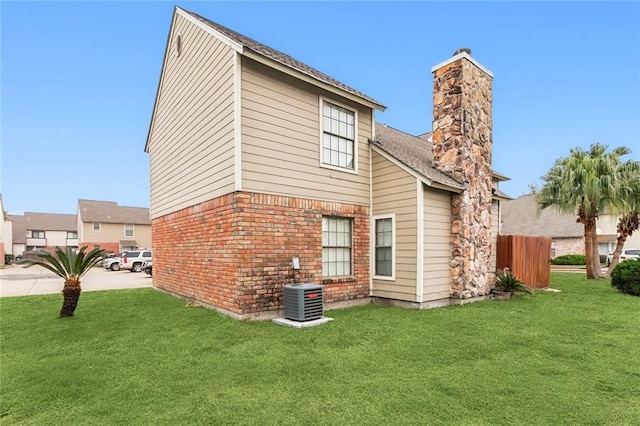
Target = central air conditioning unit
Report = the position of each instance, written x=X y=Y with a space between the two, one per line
x=303 y=302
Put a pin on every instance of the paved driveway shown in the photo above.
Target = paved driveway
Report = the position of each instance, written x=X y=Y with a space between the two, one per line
x=19 y=281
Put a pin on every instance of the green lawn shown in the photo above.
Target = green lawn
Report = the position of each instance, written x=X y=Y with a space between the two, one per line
x=140 y=357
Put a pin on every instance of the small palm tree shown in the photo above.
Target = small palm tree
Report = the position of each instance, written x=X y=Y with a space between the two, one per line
x=69 y=266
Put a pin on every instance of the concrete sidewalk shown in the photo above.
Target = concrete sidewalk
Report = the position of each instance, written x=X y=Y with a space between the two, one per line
x=17 y=280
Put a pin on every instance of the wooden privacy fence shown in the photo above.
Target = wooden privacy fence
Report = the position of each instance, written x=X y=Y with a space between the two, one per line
x=527 y=258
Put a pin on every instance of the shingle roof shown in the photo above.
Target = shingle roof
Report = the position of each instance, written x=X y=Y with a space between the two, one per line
x=19 y=228
x=281 y=58
x=111 y=212
x=520 y=217
x=50 y=221
x=40 y=222
x=414 y=152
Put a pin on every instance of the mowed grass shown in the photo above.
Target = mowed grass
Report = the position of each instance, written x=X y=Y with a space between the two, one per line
x=142 y=357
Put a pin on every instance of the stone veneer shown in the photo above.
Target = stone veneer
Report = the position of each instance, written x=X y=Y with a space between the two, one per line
x=462 y=143
x=234 y=252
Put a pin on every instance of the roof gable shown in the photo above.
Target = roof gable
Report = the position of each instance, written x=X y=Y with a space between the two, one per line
x=414 y=153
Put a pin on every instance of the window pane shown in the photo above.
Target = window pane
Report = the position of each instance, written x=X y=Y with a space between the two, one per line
x=335 y=143
x=350 y=132
x=343 y=130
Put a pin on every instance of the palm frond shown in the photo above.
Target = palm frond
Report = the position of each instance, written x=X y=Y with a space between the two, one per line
x=65 y=263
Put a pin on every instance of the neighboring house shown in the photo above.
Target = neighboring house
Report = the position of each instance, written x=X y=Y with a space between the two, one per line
x=43 y=231
x=114 y=228
x=257 y=158
x=5 y=234
x=18 y=234
x=521 y=217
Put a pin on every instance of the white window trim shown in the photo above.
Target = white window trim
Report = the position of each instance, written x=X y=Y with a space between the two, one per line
x=93 y=226
x=133 y=229
x=356 y=135
x=391 y=216
x=353 y=272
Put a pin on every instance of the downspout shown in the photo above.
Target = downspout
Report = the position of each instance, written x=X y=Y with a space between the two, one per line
x=371 y=248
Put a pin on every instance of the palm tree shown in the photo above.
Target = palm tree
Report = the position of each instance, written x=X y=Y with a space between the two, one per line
x=71 y=267
x=629 y=221
x=587 y=183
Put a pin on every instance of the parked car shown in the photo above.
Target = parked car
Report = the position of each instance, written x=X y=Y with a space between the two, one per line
x=625 y=255
x=134 y=260
x=112 y=262
x=147 y=267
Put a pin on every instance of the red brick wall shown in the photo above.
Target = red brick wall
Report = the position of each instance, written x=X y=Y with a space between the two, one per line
x=108 y=247
x=234 y=252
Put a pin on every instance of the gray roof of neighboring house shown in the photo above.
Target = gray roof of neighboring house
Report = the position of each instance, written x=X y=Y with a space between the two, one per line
x=281 y=58
x=520 y=217
x=40 y=222
x=111 y=212
x=19 y=228
x=50 y=221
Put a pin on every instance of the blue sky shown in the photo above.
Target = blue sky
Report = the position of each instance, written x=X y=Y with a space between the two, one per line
x=78 y=80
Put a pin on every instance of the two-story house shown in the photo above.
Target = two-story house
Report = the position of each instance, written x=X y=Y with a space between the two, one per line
x=42 y=231
x=114 y=228
x=5 y=234
x=257 y=158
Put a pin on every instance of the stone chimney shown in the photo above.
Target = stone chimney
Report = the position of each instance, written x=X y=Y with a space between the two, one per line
x=462 y=144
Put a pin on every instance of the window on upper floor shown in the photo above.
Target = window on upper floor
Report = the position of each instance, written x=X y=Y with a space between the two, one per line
x=384 y=246
x=339 y=130
x=96 y=226
x=72 y=234
x=36 y=234
x=128 y=230
x=336 y=246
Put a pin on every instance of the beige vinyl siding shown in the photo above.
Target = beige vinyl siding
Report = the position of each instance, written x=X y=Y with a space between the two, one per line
x=281 y=139
x=394 y=191
x=437 y=249
x=191 y=145
x=495 y=230
x=114 y=233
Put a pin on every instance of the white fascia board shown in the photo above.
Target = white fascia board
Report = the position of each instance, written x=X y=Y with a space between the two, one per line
x=460 y=56
x=226 y=40
x=309 y=79
x=415 y=174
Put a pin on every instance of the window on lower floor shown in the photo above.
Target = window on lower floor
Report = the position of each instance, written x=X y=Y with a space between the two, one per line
x=384 y=241
x=128 y=230
x=336 y=246
x=72 y=234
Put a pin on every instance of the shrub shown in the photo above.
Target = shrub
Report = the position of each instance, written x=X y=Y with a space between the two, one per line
x=570 y=259
x=626 y=277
